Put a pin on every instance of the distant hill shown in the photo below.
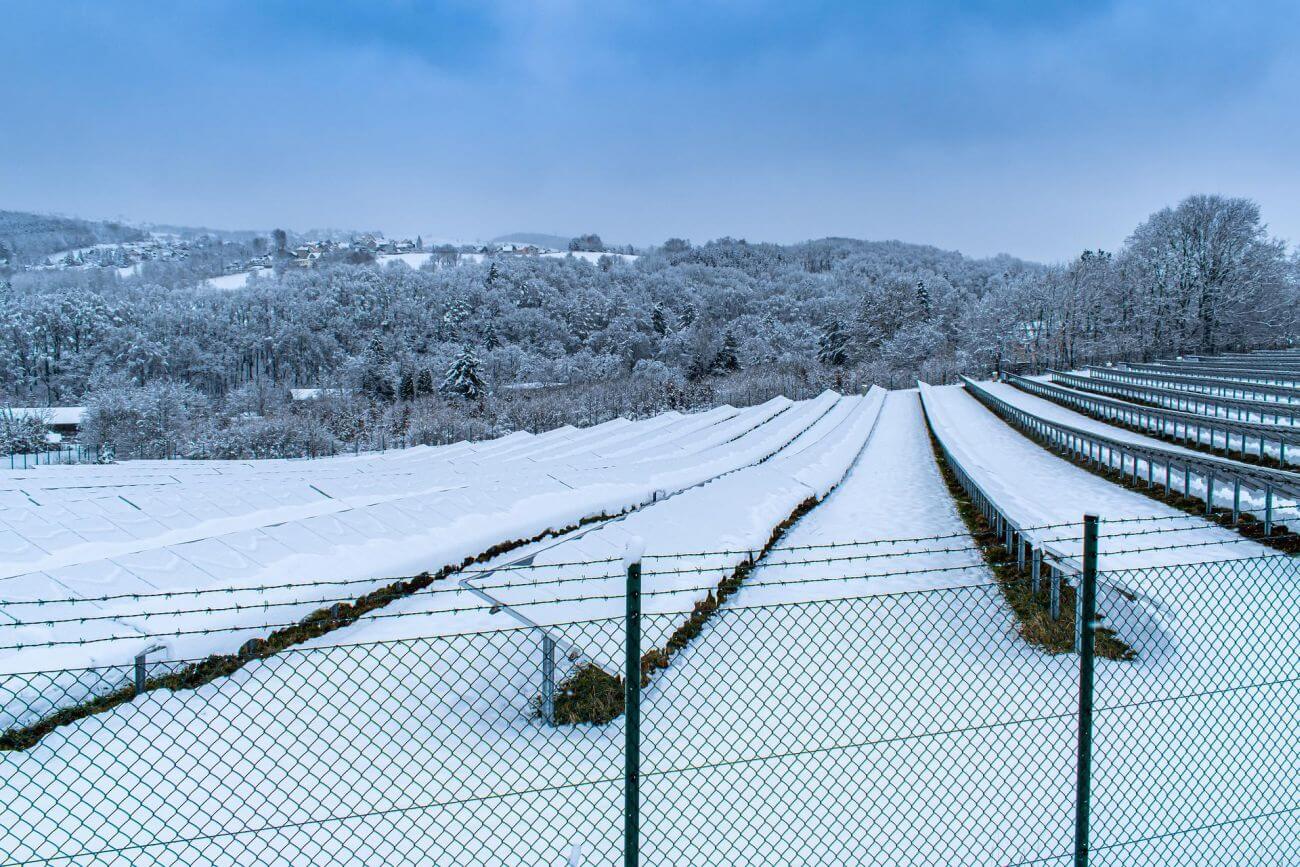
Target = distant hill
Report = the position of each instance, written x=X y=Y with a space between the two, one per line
x=26 y=237
x=196 y=231
x=555 y=242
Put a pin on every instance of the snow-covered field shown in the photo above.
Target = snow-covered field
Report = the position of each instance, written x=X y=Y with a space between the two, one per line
x=239 y=280
x=864 y=697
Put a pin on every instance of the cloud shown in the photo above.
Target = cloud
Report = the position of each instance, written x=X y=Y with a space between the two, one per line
x=1036 y=129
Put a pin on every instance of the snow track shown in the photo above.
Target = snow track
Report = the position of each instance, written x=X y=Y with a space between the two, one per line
x=894 y=491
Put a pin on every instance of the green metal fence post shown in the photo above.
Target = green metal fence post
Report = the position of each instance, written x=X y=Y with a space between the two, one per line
x=1087 y=636
x=632 y=716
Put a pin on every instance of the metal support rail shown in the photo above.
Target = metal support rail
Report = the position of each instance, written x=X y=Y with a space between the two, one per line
x=1265 y=365
x=1264 y=354
x=1141 y=461
x=1285 y=378
x=1045 y=561
x=1188 y=427
x=1198 y=384
x=1184 y=401
x=548 y=644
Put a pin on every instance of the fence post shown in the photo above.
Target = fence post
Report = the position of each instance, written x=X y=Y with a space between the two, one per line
x=632 y=709
x=1054 y=600
x=1087 y=634
x=548 y=679
x=1268 y=510
x=141 y=678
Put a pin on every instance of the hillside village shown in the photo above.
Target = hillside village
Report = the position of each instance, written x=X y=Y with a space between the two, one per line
x=233 y=257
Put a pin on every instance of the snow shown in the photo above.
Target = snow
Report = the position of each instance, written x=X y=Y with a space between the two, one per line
x=238 y=280
x=589 y=256
x=1035 y=487
x=1046 y=409
x=52 y=415
x=98 y=531
x=1184 y=426
x=883 y=723
x=417 y=260
x=414 y=260
x=893 y=492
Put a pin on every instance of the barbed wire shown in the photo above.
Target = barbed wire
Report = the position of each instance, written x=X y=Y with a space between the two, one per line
x=289 y=585
x=769 y=561
x=482 y=606
x=523 y=567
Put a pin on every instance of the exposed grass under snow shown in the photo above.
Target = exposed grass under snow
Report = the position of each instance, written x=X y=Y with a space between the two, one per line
x=1034 y=621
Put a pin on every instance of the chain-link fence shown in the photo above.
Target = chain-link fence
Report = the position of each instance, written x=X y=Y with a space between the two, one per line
x=915 y=727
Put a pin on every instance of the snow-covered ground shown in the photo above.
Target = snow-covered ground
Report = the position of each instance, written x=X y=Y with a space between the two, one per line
x=238 y=280
x=881 y=718
x=146 y=535
x=589 y=256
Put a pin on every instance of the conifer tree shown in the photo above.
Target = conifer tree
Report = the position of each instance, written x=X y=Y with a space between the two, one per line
x=727 y=360
x=689 y=314
x=374 y=373
x=463 y=378
x=659 y=321
x=833 y=345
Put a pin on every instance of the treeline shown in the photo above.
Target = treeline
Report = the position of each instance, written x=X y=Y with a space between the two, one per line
x=542 y=341
x=27 y=237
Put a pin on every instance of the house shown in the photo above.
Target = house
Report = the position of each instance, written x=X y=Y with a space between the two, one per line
x=64 y=420
x=306 y=255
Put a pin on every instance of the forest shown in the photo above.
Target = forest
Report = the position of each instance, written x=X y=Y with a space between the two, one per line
x=168 y=365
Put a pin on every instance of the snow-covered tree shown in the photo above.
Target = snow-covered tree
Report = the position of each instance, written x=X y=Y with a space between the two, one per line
x=375 y=377
x=659 y=320
x=463 y=378
x=727 y=360
x=833 y=345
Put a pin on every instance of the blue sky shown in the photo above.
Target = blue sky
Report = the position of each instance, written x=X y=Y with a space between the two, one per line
x=1033 y=128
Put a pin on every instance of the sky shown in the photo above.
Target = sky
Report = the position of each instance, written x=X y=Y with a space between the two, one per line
x=1038 y=129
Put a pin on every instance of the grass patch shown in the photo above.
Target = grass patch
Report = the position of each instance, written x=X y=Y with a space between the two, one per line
x=1034 y=621
x=593 y=695
x=589 y=695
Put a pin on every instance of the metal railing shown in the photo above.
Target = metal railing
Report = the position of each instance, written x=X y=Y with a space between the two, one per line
x=1184 y=401
x=1029 y=546
x=1198 y=384
x=1231 y=374
x=1253 y=489
x=1188 y=427
x=53 y=456
x=1209 y=362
